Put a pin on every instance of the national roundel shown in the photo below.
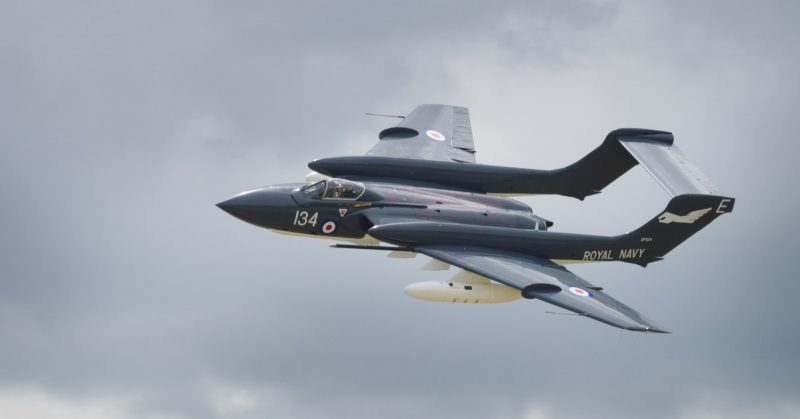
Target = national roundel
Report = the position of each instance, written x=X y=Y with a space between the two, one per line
x=328 y=227
x=435 y=135
x=580 y=292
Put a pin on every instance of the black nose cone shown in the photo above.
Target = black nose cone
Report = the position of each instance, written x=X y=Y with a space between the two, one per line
x=266 y=207
x=236 y=205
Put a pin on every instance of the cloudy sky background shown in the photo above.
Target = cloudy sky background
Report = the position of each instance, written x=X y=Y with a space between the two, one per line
x=125 y=293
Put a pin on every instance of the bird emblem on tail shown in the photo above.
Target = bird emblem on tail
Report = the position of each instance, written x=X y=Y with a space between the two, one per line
x=668 y=217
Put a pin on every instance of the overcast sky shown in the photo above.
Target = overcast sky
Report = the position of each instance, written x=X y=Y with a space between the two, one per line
x=125 y=293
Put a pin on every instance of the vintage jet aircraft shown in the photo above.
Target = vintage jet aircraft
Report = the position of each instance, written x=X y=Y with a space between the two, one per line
x=420 y=190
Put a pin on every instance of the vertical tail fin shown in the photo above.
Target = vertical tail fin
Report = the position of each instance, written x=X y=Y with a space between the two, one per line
x=684 y=216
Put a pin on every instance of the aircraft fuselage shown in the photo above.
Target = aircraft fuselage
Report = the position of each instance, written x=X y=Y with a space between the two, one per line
x=288 y=208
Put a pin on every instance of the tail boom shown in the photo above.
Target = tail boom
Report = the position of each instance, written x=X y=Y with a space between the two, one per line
x=683 y=216
x=622 y=150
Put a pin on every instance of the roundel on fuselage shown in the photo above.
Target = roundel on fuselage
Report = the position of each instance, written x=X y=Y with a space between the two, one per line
x=328 y=227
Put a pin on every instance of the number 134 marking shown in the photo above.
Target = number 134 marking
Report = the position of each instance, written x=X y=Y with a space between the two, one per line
x=302 y=218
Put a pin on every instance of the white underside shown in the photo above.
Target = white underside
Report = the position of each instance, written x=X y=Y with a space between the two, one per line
x=367 y=240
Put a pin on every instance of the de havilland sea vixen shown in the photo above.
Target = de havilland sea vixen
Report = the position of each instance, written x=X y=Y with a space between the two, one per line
x=420 y=190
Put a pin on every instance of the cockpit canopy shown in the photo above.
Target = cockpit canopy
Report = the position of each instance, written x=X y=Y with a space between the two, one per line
x=335 y=189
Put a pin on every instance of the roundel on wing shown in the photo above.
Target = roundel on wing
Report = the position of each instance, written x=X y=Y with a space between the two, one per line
x=435 y=135
x=580 y=292
x=328 y=227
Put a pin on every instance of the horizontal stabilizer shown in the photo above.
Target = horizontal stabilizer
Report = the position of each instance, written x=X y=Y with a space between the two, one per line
x=668 y=166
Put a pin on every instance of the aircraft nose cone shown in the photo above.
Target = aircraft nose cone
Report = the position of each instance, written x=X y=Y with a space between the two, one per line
x=232 y=205
x=238 y=205
x=263 y=207
x=225 y=205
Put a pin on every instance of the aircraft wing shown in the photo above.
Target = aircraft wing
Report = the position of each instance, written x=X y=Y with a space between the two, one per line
x=542 y=279
x=429 y=132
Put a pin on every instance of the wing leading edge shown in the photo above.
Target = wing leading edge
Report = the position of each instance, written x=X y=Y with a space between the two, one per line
x=540 y=278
